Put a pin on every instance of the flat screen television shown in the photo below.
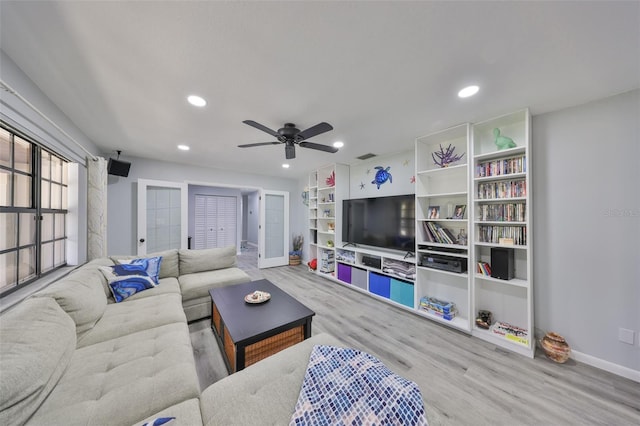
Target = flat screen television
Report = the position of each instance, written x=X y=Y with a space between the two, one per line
x=386 y=222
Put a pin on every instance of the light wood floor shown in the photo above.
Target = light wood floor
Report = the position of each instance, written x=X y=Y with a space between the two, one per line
x=464 y=380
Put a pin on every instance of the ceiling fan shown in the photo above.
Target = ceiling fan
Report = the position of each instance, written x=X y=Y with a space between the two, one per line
x=290 y=136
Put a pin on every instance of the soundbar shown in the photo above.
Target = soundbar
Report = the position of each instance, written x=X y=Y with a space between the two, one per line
x=372 y=261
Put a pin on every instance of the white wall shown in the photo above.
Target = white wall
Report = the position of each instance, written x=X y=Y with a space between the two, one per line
x=401 y=167
x=122 y=209
x=587 y=226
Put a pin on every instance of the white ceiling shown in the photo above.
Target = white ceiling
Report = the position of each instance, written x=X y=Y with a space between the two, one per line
x=382 y=73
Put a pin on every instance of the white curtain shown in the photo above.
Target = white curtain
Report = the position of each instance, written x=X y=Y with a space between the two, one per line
x=96 y=208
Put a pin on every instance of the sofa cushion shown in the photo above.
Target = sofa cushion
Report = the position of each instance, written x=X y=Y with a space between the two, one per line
x=38 y=341
x=168 y=285
x=132 y=316
x=79 y=294
x=192 y=261
x=124 y=380
x=197 y=285
x=127 y=279
x=168 y=267
x=151 y=265
x=270 y=387
x=186 y=413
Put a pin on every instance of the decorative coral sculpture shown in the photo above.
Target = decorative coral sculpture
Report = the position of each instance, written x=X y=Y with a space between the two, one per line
x=331 y=180
x=446 y=156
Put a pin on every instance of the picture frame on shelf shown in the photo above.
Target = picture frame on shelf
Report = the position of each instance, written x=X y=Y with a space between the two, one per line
x=458 y=212
x=434 y=212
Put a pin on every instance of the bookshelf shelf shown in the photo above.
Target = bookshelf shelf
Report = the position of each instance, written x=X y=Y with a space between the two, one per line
x=501 y=206
x=436 y=237
x=328 y=186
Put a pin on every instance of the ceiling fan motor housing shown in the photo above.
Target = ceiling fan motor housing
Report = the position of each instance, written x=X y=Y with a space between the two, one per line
x=289 y=131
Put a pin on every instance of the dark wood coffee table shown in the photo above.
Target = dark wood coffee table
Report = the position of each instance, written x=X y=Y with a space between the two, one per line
x=251 y=332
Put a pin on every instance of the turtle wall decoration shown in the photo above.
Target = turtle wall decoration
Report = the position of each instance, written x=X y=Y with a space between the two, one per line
x=382 y=175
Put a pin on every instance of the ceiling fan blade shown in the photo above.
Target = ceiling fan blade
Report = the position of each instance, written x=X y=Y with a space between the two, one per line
x=249 y=145
x=319 y=147
x=261 y=127
x=314 y=131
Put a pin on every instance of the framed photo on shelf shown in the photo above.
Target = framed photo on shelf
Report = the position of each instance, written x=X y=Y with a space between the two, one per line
x=434 y=212
x=458 y=213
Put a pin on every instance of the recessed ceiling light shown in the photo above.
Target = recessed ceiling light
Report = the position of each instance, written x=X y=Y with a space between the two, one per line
x=285 y=166
x=468 y=91
x=338 y=144
x=196 y=100
x=183 y=147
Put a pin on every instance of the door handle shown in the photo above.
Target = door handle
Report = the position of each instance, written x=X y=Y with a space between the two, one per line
x=142 y=240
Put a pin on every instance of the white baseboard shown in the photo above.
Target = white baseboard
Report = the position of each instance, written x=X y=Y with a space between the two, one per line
x=607 y=366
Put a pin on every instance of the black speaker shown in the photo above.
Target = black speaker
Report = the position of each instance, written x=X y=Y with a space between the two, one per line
x=118 y=167
x=502 y=263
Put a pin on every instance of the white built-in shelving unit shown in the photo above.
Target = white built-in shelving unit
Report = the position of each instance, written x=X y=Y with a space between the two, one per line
x=442 y=189
x=502 y=219
x=328 y=186
x=493 y=185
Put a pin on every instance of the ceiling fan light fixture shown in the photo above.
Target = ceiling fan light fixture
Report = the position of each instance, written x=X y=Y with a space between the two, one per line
x=468 y=91
x=285 y=166
x=196 y=100
x=183 y=147
x=338 y=144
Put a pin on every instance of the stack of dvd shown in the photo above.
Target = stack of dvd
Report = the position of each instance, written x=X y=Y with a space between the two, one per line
x=446 y=310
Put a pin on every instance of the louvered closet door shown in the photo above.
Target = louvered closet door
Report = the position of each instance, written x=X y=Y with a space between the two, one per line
x=215 y=221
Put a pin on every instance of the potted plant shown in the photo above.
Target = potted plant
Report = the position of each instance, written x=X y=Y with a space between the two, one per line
x=295 y=255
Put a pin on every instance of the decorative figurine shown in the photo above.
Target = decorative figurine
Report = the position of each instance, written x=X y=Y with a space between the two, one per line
x=331 y=180
x=484 y=320
x=382 y=175
x=446 y=156
x=462 y=237
x=503 y=142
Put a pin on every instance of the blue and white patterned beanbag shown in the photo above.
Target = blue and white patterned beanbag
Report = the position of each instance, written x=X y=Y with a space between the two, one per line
x=127 y=280
x=344 y=386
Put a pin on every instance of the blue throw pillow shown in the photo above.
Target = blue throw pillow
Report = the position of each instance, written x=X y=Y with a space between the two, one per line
x=127 y=280
x=159 y=421
x=151 y=265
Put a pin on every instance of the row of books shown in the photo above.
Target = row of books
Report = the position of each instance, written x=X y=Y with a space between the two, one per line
x=513 y=212
x=483 y=268
x=506 y=166
x=502 y=189
x=493 y=234
x=435 y=233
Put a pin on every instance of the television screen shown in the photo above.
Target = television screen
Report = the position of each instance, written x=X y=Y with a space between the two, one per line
x=387 y=222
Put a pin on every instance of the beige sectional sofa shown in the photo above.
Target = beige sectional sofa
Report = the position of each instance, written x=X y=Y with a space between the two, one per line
x=70 y=355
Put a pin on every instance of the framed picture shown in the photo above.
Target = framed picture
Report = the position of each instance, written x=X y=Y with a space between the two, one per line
x=458 y=213
x=434 y=212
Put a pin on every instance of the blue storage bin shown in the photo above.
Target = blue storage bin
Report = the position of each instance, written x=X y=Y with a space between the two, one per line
x=379 y=284
x=402 y=292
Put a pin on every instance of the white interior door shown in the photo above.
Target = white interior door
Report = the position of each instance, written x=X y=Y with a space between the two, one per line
x=162 y=216
x=273 y=247
x=215 y=221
